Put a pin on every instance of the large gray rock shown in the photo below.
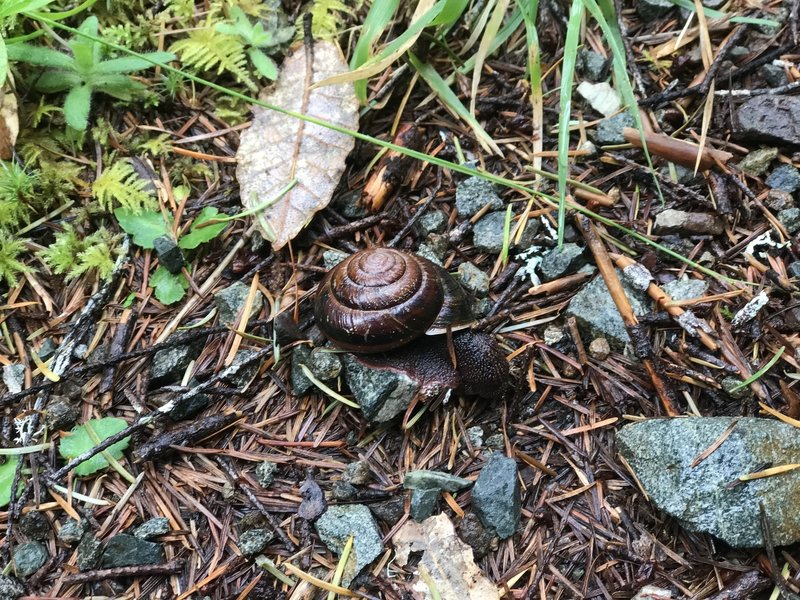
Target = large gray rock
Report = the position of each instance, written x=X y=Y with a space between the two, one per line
x=125 y=550
x=338 y=523
x=496 y=495
x=597 y=315
x=381 y=394
x=769 y=118
x=29 y=558
x=708 y=497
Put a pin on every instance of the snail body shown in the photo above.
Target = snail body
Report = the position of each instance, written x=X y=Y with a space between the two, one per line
x=381 y=299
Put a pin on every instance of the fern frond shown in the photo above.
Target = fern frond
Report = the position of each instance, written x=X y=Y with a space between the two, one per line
x=207 y=50
x=74 y=256
x=60 y=255
x=121 y=186
x=10 y=265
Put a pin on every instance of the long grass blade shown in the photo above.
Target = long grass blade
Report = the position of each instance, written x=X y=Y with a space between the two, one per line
x=492 y=27
x=716 y=14
x=378 y=18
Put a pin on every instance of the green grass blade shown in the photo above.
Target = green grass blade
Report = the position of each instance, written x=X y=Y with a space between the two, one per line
x=758 y=374
x=530 y=9
x=378 y=18
x=716 y=14
x=492 y=27
x=565 y=108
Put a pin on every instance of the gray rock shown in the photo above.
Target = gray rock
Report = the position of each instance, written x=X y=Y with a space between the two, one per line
x=475 y=435
x=231 y=300
x=254 y=541
x=301 y=355
x=242 y=378
x=757 y=162
x=472 y=532
x=784 y=177
x=343 y=491
x=14 y=377
x=609 y=131
x=680 y=222
x=496 y=442
x=778 y=200
x=431 y=253
x=193 y=406
x=794 y=269
x=482 y=307
x=381 y=394
x=650 y=10
x=554 y=336
x=473 y=279
x=488 y=233
x=770 y=119
x=72 y=531
x=790 y=218
x=661 y=452
x=47 y=349
x=152 y=528
x=169 y=365
x=338 y=523
x=774 y=75
x=35 y=526
x=731 y=386
x=10 y=588
x=496 y=495
x=434 y=480
x=389 y=511
x=89 y=552
x=357 y=473
x=557 y=263
x=592 y=65
x=124 y=550
x=599 y=349
x=61 y=413
x=473 y=194
x=350 y=205
x=685 y=288
x=597 y=315
x=265 y=473
x=331 y=258
x=682 y=175
x=325 y=364
x=169 y=254
x=433 y=221
x=29 y=558
x=423 y=504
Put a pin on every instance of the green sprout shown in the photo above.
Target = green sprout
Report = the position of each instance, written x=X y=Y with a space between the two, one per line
x=257 y=40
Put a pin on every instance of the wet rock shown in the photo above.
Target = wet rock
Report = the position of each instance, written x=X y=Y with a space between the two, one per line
x=733 y=387
x=331 y=258
x=14 y=377
x=423 y=503
x=244 y=376
x=314 y=503
x=650 y=10
x=680 y=174
x=784 y=177
x=685 y=288
x=301 y=355
x=770 y=119
x=773 y=75
x=350 y=205
x=324 y=364
x=389 y=511
x=434 y=480
x=357 y=473
x=338 y=523
x=592 y=65
x=609 y=131
x=680 y=222
x=473 y=279
x=29 y=558
x=495 y=442
x=778 y=200
x=10 y=588
x=192 y=407
x=433 y=221
x=254 y=541
x=169 y=365
x=794 y=269
x=661 y=453
x=472 y=532
x=496 y=495
x=72 y=531
x=343 y=491
x=169 y=254
x=152 y=528
x=35 y=526
x=473 y=194
x=757 y=162
x=482 y=307
x=125 y=550
x=558 y=263
x=431 y=253
x=61 y=413
x=265 y=473
x=790 y=218
x=599 y=349
x=475 y=435
x=231 y=301
x=651 y=592
x=89 y=552
x=47 y=349
x=488 y=233
x=555 y=336
x=597 y=315
x=381 y=394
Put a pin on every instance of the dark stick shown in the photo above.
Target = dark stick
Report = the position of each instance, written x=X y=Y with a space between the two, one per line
x=136 y=571
x=745 y=586
x=183 y=436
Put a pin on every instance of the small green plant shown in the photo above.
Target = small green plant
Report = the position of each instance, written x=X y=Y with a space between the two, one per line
x=73 y=256
x=17 y=194
x=119 y=185
x=85 y=437
x=7 y=471
x=207 y=49
x=11 y=267
x=257 y=41
x=85 y=72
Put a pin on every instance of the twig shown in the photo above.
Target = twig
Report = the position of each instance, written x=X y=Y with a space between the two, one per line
x=173 y=566
x=160 y=445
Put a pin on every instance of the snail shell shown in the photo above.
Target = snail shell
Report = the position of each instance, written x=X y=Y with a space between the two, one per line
x=379 y=299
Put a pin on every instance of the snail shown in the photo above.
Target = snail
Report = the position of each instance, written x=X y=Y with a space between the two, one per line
x=401 y=311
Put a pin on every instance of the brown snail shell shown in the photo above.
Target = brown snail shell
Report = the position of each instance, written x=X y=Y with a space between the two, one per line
x=379 y=299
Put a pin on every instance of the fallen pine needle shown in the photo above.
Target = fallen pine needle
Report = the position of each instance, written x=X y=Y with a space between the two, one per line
x=772 y=471
x=324 y=585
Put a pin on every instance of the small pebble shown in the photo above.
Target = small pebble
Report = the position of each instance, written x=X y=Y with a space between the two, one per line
x=254 y=541
x=599 y=349
x=265 y=473
x=72 y=531
x=784 y=177
x=325 y=365
x=778 y=200
x=433 y=221
x=758 y=161
x=35 y=526
x=29 y=558
x=473 y=194
x=473 y=279
x=790 y=218
x=152 y=528
x=357 y=473
x=609 y=131
x=687 y=223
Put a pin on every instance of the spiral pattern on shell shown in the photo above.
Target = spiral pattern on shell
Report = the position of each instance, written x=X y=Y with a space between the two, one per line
x=379 y=299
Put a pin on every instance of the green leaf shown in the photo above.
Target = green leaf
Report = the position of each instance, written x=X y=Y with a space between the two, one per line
x=12 y=7
x=378 y=18
x=85 y=50
x=129 y=64
x=7 y=470
x=39 y=55
x=76 y=107
x=451 y=11
x=117 y=86
x=51 y=82
x=80 y=441
x=263 y=63
x=145 y=227
x=169 y=288
x=200 y=235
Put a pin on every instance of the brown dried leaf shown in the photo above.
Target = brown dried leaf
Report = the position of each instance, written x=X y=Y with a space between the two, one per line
x=9 y=120
x=278 y=149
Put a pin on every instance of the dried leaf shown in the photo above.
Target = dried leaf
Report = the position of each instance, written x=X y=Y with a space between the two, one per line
x=279 y=149
x=9 y=121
